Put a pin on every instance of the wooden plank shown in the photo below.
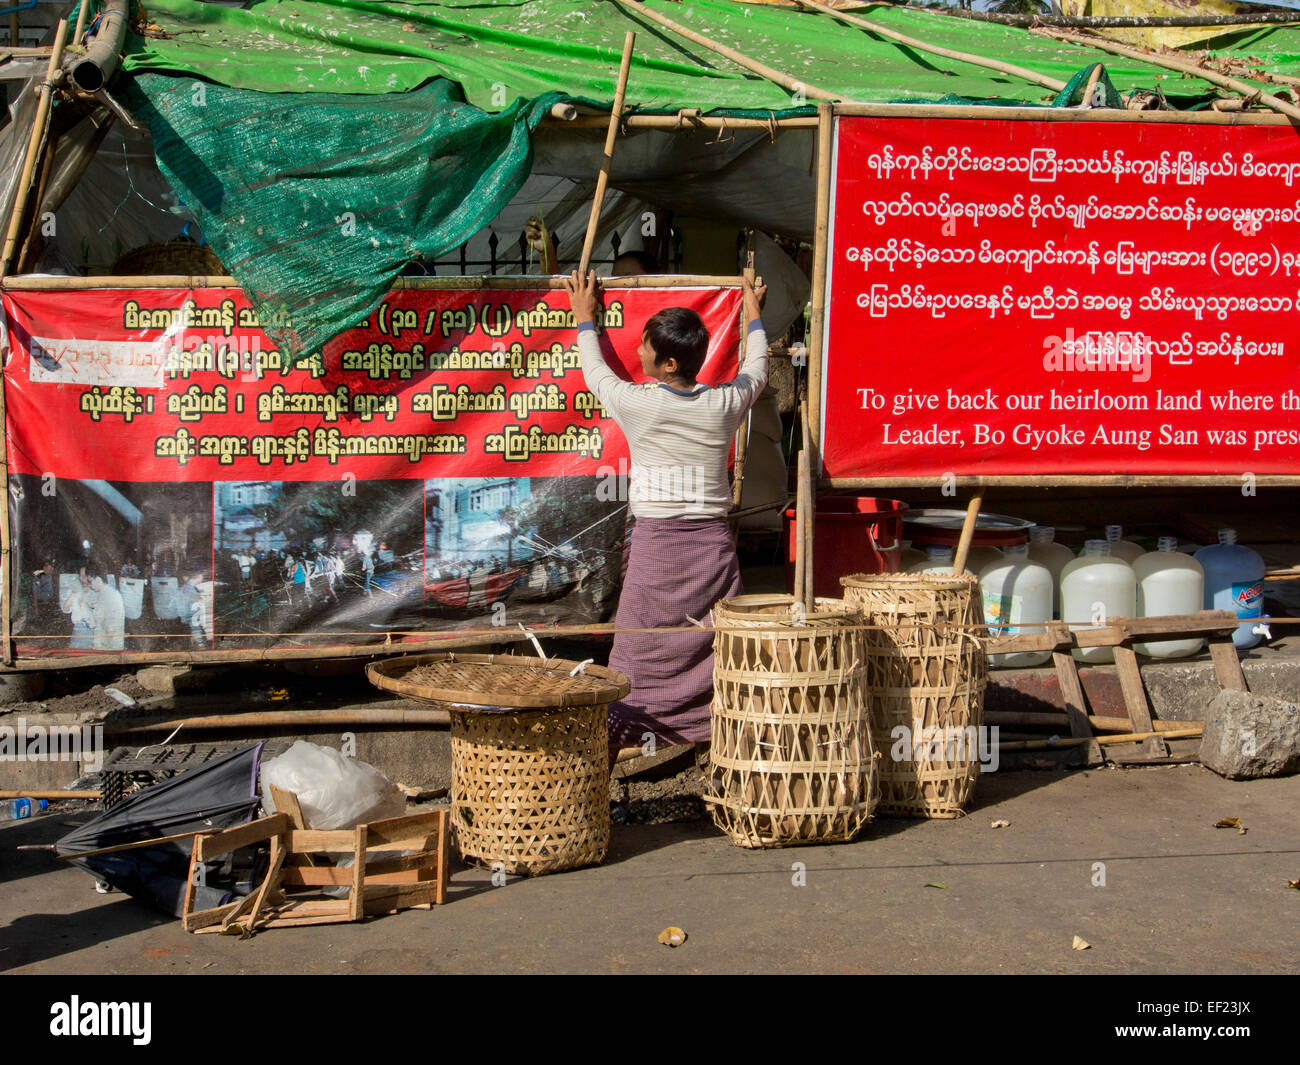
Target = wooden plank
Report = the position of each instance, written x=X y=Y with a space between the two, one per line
x=232 y=839
x=402 y=829
x=444 y=855
x=271 y=882
x=1227 y=665
x=287 y=802
x=320 y=841
x=358 y=896
x=187 y=904
x=196 y=922
x=1135 y=699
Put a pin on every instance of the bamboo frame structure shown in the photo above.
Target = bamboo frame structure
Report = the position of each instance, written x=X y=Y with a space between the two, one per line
x=1252 y=94
x=607 y=162
x=778 y=77
x=1024 y=73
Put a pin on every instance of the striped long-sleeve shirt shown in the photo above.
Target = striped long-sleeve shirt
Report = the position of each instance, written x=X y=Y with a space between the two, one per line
x=678 y=440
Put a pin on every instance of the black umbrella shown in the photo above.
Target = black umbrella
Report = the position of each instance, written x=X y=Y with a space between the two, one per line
x=219 y=794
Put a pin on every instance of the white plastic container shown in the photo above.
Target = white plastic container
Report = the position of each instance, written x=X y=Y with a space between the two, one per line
x=1016 y=594
x=1121 y=548
x=979 y=557
x=1044 y=549
x=1234 y=580
x=1097 y=585
x=1169 y=582
x=938 y=559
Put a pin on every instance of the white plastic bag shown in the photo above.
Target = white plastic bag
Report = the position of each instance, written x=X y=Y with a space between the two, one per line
x=334 y=792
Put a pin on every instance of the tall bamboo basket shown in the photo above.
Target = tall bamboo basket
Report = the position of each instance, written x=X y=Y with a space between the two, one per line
x=926 y=672
x=791 y=747
x=529 y=754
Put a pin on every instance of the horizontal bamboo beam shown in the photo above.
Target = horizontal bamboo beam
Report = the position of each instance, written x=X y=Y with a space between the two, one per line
x=1102 y=22
x=1081 y=480
x=46 y=793
x=1104 y=741
x=1060 y=719
x=85 y=284
x=290 y=719
x=1054 y=114
x=686 y=123
x=1024 y=73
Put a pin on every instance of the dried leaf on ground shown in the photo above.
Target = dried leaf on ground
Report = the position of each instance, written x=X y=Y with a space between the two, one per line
x=1000 y=823
x=672 y=936
x=1228 y=822
x=1080 y=944
x=935 y=883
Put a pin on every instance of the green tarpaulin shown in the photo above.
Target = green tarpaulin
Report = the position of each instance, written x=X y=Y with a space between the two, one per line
x=317 y=112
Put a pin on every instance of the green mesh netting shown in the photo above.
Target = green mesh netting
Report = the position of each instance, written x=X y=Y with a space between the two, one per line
x=315 y=201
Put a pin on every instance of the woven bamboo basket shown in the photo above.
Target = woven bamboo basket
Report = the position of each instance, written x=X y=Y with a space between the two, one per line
x=180 y=257
x=529 y=754
x=926 y=672
x=791 y=747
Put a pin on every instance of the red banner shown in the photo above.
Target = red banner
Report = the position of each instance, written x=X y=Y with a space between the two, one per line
x=1023 y=297
x=166 y=384
x=178 y=484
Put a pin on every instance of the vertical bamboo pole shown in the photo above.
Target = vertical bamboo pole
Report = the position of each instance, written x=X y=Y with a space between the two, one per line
x=801 y=509
x=39 y=125
x=816 y=324
x=607 y=162
x=742 y=432
x=82 y=12
x=967 y=531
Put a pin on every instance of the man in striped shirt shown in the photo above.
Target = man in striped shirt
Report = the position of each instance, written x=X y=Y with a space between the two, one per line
x=682 y=560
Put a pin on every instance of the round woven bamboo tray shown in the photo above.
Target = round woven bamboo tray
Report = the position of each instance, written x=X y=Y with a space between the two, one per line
x=180 y=257
x=926 y=672
x=791 y=747
x=529 y=754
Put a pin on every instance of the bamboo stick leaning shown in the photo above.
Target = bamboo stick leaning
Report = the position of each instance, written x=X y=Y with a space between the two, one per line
x=778 y=77
x=602 y=179
x=1183 y=66
x=1023 y=73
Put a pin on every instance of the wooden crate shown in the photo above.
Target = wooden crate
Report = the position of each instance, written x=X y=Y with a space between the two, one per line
x=381 y=877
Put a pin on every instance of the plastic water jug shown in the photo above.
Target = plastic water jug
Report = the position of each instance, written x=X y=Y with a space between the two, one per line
x=1097 y=585
x=1044 y=549
x=1016 y=594
x=1234 y=580
x=1169 y=582
x=981 y=555
x=1121 y=548
x=938 y=559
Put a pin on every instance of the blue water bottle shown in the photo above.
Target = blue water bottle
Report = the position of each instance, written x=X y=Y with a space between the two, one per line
x=1234 y=580
x=22 y=809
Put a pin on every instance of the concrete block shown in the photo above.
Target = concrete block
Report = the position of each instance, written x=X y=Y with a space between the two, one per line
x=1249 y=736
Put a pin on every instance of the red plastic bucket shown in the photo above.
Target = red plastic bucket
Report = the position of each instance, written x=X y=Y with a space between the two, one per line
x=851 y=534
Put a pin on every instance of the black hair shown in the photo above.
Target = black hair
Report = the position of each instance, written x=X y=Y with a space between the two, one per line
x=643 y=259
x=678 y=333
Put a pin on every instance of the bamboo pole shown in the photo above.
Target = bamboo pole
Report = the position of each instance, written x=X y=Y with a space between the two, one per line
x=967 y=532
x=88 y=284
x=1079 y=480
x=46 y=793
x=1104 y=741
x=687 y=123
x=82 y=12
x=299 y=720
x=39 y=124
x=1060 y=719
x=779 y=77
x=817 y=320
x=803 y=503
x=1251 y=93
x=611 y=135
x=742 y=431
x=1024 y=73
